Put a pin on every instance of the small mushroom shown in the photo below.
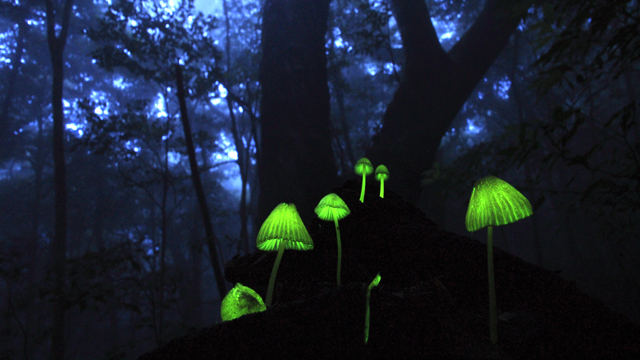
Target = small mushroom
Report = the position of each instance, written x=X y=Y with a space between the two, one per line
x=332 y=208
x=374 y=282
x=239 y=301
x=381 y=175
x=363 y=167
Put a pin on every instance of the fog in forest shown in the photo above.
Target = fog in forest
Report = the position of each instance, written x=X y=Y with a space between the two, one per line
x=101 y=220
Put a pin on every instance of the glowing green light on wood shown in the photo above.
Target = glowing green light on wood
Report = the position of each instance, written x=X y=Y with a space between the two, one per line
x=363 y=167
x=382 y=174
x=494 y=202
x=332 y=208
x=283 y=229
x=240 y=300
x=375 y=282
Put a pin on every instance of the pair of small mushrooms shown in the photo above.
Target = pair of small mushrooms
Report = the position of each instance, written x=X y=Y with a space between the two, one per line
x=284 y=229
x=363 y=167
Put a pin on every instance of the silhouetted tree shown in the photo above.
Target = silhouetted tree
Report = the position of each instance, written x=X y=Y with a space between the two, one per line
x=57 y=43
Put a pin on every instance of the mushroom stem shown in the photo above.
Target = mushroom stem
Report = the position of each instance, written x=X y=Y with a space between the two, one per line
x=274 y=271
x=382 y=188
x=373 y=283
x=335 y=220
x=364 y=185
x=493 y=313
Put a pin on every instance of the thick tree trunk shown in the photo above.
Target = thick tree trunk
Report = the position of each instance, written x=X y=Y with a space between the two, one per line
x=59 y=245
x=296 y=163
x=434 y=86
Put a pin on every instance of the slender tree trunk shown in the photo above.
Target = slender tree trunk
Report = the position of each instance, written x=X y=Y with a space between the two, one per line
x=194 y=306
x=296 y=163
x=243 y=164
x=16 y=61
x=163 y=243
x=56 y=50
x=434 y=86
x=37 y=163
x=212 y=240
x=241 y=149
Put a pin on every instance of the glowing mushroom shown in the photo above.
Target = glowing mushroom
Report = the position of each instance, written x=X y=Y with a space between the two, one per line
x=332 y=208
x=381 y=175
x=494 y=202
x=363 y=167
x=239 y=301
x=283 y=229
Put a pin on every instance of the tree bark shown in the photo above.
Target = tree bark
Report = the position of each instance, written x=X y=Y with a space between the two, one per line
x=296 y=164
x=197 y=184
x=56 y=51
x=434 y=86
x=6 y=143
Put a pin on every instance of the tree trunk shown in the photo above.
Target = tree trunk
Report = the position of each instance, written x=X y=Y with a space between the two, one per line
x=56 y=50
x=6 y=137
x=296 y=164
x=434 y=86
x=197 y=184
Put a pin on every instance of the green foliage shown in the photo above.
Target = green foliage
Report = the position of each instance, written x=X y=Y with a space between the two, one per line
x=591 y=61
x=148 y=41
x=597 y=38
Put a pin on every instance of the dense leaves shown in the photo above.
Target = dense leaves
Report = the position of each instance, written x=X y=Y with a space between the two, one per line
x=148 y=40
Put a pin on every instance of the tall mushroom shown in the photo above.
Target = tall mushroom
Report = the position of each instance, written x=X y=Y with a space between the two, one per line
x=283 y=229
x=332 y=208
x=363 y=167
x=494 y=202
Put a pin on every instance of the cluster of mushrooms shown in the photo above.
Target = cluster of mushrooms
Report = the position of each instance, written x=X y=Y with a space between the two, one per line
x=493 y=203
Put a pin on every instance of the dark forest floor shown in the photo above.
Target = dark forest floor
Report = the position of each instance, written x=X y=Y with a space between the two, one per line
x=432 y=301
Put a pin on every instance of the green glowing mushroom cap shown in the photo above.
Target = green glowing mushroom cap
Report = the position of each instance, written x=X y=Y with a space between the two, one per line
x=240 y=300
x=332 y=207
x=494 y=202
x=382 y=173
x=284 y=223
x=375 y=281
x=363 y=167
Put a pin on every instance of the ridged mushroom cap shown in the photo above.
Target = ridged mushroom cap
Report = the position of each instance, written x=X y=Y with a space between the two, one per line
x=494 y=202
x=332 y=207
x=284 y=223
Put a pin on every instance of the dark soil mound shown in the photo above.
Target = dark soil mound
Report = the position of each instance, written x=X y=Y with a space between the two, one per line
x=432 y=301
